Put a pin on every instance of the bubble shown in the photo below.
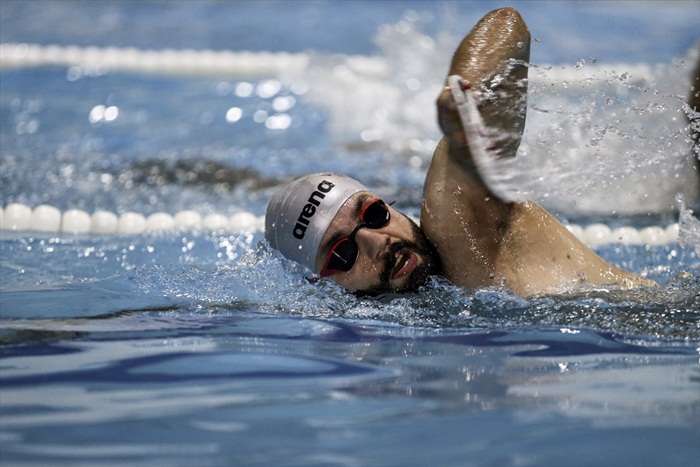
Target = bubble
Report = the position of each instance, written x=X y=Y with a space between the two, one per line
x=278 y=122
x=244 y=89
x=234 y=114
x=268 y=88
x=283 y=103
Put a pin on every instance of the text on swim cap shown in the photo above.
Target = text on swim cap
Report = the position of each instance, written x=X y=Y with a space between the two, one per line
x=309 y=208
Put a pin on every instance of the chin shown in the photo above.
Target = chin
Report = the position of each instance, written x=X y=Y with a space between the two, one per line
x=428 y=265
x=409 y=284
x=418 y=277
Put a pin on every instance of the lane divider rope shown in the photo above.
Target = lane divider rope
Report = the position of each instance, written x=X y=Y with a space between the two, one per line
x=231 y=63
x=49 y=219
x=45 y=218
x=169 y=61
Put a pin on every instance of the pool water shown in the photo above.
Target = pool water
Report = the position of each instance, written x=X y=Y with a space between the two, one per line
x=205 y=347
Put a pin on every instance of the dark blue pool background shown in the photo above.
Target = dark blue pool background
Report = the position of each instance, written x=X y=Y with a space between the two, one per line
x=205 y=348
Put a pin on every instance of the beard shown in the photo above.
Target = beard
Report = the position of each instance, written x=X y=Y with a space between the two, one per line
x=429 y=266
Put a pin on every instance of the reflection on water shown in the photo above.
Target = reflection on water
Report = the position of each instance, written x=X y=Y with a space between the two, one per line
x=211 y=273
x=204 y=348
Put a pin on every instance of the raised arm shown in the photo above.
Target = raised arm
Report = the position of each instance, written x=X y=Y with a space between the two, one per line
x=481 y=239
x=460 y=216
x=493 y=58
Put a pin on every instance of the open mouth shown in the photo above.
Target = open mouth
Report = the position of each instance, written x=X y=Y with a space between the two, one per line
x=406 y=262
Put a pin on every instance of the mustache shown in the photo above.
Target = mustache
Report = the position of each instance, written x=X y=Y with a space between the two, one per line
x=391 y=258
x=420 y=245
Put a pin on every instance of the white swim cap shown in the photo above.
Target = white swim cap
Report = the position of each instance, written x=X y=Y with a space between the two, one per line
x=300 y=213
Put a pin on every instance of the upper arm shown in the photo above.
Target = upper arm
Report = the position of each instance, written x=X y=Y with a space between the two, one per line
x=460 y=216
x=462 y=219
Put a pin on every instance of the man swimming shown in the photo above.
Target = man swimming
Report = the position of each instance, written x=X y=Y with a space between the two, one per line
x=339 y=229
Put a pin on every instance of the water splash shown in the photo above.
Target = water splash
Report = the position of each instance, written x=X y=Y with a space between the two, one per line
x=671 y=311
x=689 y=229
x=600 y=138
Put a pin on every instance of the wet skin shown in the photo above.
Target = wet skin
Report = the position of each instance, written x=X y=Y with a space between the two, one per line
x=396 y=257
x=519 y=246
x=467 y=234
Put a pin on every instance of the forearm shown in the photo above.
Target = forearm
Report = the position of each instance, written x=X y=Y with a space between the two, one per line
x=493 y=58
x=453 y=175
x=497 y=40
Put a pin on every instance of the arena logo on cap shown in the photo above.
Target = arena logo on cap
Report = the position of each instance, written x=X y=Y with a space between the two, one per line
x=310 y=208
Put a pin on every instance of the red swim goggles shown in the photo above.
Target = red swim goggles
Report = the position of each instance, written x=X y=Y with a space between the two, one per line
x=342 y=255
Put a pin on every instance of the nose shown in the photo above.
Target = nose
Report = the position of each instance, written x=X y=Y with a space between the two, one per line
x=372 y=243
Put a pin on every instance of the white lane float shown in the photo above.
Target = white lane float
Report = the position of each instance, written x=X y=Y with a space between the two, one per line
x=44 y=218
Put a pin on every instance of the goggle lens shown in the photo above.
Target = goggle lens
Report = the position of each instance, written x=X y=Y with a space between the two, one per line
x=342 y=255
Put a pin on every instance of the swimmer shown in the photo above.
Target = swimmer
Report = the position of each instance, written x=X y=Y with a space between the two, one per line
x=341 y=230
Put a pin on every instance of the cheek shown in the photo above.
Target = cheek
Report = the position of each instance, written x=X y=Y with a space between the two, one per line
x=403 y=227
x=367 y=269
x=362 y=277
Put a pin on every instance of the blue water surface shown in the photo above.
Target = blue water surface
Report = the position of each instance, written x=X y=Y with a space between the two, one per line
x=207 y=348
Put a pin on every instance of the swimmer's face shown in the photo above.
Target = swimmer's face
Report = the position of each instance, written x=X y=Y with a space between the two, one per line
x=394 y=257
